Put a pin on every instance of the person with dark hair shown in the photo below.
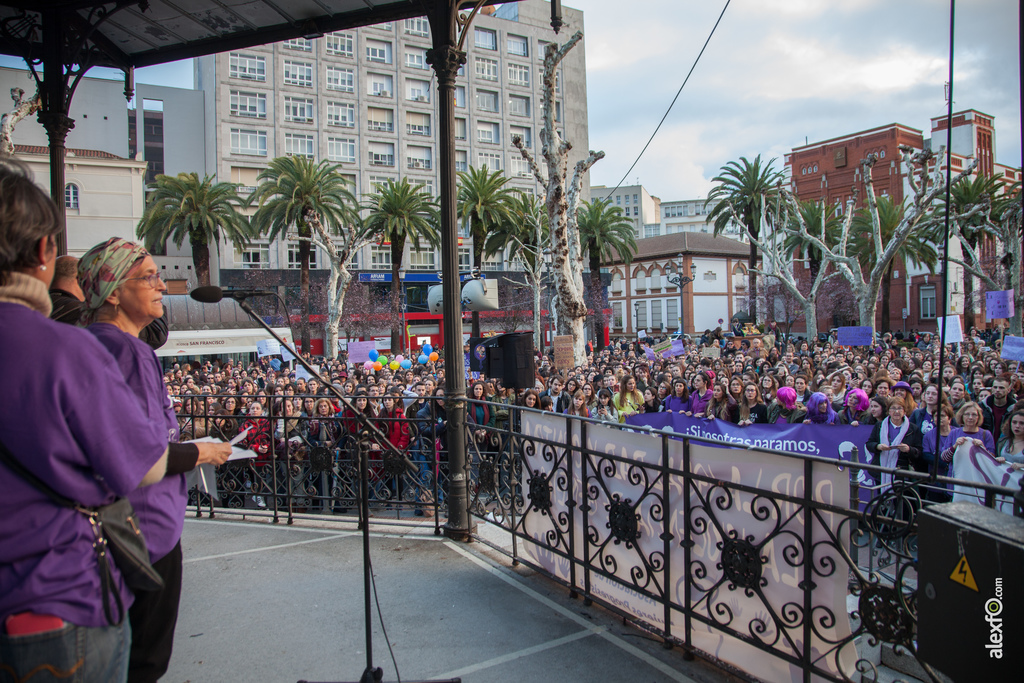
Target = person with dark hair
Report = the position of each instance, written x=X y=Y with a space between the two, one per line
x=58 y=613
x=752 y=407
x=701 y=394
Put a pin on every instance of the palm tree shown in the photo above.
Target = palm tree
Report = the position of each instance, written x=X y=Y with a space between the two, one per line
x=293 y=190
x=971 y=191
x=204 y=211
x=604 y=233
x=483 y=203
x=918 y=250
x=527 y=234
x=744 y=188
x=400 y=212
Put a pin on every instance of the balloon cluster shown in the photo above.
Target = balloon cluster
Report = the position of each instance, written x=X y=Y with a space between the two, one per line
x=378 y=360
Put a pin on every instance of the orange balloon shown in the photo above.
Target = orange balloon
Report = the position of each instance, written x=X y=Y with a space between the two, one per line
x=434 y=356
x=378 y=366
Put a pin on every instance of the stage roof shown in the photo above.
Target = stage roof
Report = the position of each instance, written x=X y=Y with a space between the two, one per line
x=137 y=33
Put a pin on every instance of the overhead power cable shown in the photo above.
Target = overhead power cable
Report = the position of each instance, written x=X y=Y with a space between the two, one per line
x=678 y=93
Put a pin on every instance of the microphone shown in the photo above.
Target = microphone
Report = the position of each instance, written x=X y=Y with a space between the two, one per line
x=211 y=294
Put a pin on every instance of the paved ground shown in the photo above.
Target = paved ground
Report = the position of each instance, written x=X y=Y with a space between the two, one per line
x=264 y=602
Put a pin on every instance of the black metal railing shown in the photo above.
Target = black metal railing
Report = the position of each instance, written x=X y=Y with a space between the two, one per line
x=602 y=521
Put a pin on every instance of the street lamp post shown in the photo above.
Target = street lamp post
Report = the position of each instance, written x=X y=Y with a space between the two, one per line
x=636 y=317
x=679 y=280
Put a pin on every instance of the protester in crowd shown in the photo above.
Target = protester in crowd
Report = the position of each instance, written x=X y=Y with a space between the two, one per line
x=606 y=410
x=628 y=400
x=679 y=400
x=722 y=406
x=924 y=417
x=1011 y=444
x=820 y=411
x=700 y=396
x=752 y=409
x=651 y=402
x=855 y=408
x=579 y=405
x=901 y=391
x=784 y=409
x=92 y=446
x=996 y=406
x=894 y=441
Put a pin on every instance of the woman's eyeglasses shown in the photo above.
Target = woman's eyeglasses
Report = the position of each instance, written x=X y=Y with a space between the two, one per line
x=153 y=280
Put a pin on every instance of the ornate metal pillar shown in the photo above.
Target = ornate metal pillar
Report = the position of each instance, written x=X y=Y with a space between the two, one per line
x=53 y=115
x=446 y=58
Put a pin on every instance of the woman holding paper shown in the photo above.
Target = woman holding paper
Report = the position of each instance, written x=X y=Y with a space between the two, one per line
x=123 y=294
x=895 y=441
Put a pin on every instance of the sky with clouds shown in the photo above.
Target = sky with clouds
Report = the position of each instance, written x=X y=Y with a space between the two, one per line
x=776 y=73
x=779 y=72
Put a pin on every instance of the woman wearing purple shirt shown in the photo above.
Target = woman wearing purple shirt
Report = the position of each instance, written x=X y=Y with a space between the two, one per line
x=123 y=294
x=73 y=422
x=700 y=397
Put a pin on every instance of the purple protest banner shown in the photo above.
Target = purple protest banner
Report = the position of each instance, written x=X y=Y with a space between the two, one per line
x=359 y=352
x=855 y=336
x=824 y=441
x=999 y=304
x=649 y=352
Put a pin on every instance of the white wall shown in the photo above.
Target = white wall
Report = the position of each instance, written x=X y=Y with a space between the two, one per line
x=716 y=269
x=707 y=310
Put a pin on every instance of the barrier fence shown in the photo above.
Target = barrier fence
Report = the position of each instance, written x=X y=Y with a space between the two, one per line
x=732 y=553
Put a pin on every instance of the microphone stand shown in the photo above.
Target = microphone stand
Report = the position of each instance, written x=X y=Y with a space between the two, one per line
x=367 y=431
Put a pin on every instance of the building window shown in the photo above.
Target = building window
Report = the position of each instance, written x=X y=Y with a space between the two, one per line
x=250 y=67
x=460 y=129
x=641 y=316
x=487 y=100
x=656 y=319
x=380 y=85
x=652 y=230
x=426 y=183
x=381 y=154
x=422 y=259
x=303 y=44
x=419 y=158
x=486 y=69
x=71 y=196
x=491 y=160
x=340 y=44
x=298 y=110
x=376 y=181
x=417 y=123
x=251 y=142
x=460 y=96
x=341 y=79
x=518 y=45
x=381 y=120
x=524 y=133
x=294 y=262
x=465 y=258
x=519 y=106
x=254 y=256
x=461 y=161
x=417 y=90
x=416 y=58
x=518 y=74
x=380 y=258
x=417 y=27
x=251 y=104
x=927 y=311
x=296 y=144
x=488 y=132
x=342 y=150
x=485 y=39
x=341 y=114
x=378 y=51
x=672 y=312
x=492 y=262
x=617 y=314
x=518 y=166
x=298 y=73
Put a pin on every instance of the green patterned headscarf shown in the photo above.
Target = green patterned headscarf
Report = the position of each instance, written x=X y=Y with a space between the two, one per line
x=103 y=269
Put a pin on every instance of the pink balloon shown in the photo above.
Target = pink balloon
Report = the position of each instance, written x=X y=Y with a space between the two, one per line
x=399 y=358
x=368 y=365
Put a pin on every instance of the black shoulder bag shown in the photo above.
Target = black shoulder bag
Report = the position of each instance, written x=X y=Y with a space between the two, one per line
x=116 y=529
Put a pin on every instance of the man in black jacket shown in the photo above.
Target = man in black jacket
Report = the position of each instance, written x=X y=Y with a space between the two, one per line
x=995 y=407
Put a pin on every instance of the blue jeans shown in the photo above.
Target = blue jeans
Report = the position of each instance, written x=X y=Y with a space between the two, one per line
x=73 y=654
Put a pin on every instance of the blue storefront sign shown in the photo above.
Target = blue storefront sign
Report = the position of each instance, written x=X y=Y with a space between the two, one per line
x=429 y=278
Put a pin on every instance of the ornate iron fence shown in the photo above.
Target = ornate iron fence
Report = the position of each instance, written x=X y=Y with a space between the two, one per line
x=604 y=523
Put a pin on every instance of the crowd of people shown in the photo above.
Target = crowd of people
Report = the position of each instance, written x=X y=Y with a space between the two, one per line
x=69 y=324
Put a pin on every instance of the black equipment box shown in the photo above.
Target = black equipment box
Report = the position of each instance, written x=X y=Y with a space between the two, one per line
x=970 y=597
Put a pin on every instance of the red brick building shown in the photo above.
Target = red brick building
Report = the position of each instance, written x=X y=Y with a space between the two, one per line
x=830 y=170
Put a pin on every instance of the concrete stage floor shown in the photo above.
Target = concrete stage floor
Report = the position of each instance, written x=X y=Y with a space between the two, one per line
x=268 y=602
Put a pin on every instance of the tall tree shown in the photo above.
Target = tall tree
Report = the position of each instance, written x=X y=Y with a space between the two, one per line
x=290 y=191
x=1002 y=223
x=203 y=211
x=965 y=195
x=561 y=200
x=22 y=108
x=866 y=279
x=483 y=203
x=917 y=249
x=742 y=190
x=400 y=212
x=604 y=234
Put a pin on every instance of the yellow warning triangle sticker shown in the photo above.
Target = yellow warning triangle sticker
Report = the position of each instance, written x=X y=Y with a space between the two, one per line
x=963 y=575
